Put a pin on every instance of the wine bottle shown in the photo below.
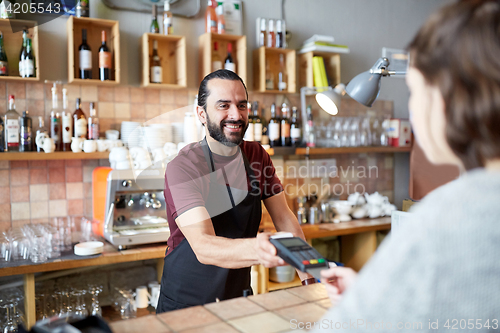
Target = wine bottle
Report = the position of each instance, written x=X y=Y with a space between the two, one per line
x=22 y=54
x=229 y=63
x=265 y=131
x=282 y=77
x=104 y=59
x=29 y=60
x=25 y=126
x=262 y=33
x=2 y=135
x=216 y=60
x=168 y=27
x=210 y=17
x=156 y=71
x=273 y=128
x=295 y=129
x=82 y=8
x=221 y=21
x=279 y=34
x=271 y=36
x=249 y=134
x=67 y=123
x=257 y=123
x=285 y=126
x=93 y=124
x=11 y=123
x=4 y=66
x=155 y=27
x=311 y=138
x=55 y=121
x=79 y=121
x=85 y=57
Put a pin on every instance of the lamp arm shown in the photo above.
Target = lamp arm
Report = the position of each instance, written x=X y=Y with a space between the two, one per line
x=385 y=72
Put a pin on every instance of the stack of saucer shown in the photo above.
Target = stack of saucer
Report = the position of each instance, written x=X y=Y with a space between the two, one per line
x=178 y=132
x=156 y=135
x=131 y=132
x=89 y=248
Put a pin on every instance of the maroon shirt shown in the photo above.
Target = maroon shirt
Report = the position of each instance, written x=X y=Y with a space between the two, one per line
x=187 y=180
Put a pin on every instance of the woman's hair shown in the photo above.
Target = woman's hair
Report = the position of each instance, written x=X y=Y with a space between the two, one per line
x=458 y=51
x=223 y=74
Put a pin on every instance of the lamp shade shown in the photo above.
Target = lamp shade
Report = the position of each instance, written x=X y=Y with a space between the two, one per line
x=330 y=100
x=364 y=88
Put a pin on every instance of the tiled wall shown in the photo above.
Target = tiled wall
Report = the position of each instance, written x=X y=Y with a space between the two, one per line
x=39 y=190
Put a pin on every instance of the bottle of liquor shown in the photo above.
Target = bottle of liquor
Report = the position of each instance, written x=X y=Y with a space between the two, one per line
x=279 y=34
x=156 y=72
x=85 y=54
x=82 y=8
x=79 y=121
x=29 y=60
x=257 y=123
x=211 y=17
x=104 y=59
x=55 y=121
x=265 y=131
x=295 y=129
x=11 y=123
x=221 y=21
x=262 y=33
x=311 y=138
x=67 y=123
x=229 y=63
x=216 y=60
x=271 y=36
x=22 y=54
x=155 y=27
x=285 y=126
x=25 y=126
x=282 y=76
x=41 y=130
x=4 y=66
x=273 y=128
x=93 y=130
x=168 y=26
x=2 y=135
x=269 y=77
x=250 y=133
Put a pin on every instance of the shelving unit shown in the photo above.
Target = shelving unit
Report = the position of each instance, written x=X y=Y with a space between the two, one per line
x=264 y=55
x=272 y=286
x=94 y=28
x=332 y=67
x=172 y=52
x=12 y=30
x=239 y=54
x=58 y=155
x=283 y=151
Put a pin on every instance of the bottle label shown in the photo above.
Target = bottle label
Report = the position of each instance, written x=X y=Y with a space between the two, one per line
x=67 y=128
x=285 y=130
x=21 y=68
x=221 y=28
x=257 y=132
x=216 y=65
x=295 y=133
x=230 y=66
x=167 y=26
x=29 y=67
x=4 y=68
x=25 y=135
x=249 y=134
x=85 y=59
x=12 y=129
x=156 y=74
x=269 y=84
x=94 y=132
x=81 y=128
x=282 y=85
x=213 y=24
x=273 y=131
x=104 y=59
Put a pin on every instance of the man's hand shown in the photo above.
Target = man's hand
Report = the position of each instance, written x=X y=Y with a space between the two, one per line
x=266 y=252
x=337 y=280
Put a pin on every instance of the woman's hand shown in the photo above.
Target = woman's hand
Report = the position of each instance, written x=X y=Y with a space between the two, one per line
x=337 y=280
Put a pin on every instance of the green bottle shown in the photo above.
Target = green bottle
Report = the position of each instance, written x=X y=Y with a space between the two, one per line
x=155 y=27
x=22 y=54
x=29 y=60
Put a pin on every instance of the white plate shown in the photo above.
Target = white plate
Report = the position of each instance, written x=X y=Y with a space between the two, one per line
x=88 y=248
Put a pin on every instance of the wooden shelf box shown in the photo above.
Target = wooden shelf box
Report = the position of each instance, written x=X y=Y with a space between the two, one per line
x=12 y=30
x=239 y=53
x=172 y=52
x=332 y=67
x=94 y=28
x=271 y=55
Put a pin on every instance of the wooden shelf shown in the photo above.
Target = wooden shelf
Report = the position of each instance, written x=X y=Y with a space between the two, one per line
x=272 y=286
x=350 y=150
x=58 y=155
x=264 y=55
x=94 y=27
x=13 y=42
x=332 y=67
x=239 y=54
x=172 y=52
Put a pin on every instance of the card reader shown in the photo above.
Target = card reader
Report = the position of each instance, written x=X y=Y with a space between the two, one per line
x=296 y=252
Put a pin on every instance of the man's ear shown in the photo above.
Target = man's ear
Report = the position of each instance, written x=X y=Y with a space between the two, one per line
x=202 y=115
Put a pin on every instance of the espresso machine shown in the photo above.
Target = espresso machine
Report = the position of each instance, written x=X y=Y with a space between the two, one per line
x=133 y=210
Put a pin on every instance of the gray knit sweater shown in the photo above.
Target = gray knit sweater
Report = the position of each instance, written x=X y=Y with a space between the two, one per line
x=442 y=270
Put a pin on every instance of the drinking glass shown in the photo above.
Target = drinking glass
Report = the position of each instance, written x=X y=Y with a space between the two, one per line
x=5 y=248
x=38 y=250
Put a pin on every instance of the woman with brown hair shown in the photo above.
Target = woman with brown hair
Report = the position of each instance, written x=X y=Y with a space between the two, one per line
x=443 y=270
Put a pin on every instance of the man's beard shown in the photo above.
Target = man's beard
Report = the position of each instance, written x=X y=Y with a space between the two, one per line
x=217 y=132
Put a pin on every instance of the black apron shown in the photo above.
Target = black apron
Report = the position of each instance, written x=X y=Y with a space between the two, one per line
x=187 y=282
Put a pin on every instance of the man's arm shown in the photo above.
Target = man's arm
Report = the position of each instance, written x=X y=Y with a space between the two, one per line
x=197 y=227
x=284 y=220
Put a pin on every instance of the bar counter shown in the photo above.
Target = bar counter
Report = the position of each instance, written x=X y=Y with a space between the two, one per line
x=279 y=311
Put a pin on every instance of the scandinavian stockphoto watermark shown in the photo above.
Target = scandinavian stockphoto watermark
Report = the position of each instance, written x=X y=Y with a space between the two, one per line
x=357 y=324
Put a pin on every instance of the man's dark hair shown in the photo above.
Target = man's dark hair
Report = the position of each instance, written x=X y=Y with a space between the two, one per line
x=458 y=51
x=223 y=74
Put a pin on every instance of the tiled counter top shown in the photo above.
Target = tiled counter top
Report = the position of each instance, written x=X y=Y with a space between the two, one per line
x=279 y=311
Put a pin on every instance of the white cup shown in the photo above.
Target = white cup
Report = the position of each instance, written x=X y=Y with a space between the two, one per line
x=88 y=146
x=45 y=143
x=142 y=297
x=102 y=145
x=114 y=143
x=121 y=165
x=112 y=134
x=75 y=145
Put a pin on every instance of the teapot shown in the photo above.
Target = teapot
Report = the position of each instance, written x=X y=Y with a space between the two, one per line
x=45 y=143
